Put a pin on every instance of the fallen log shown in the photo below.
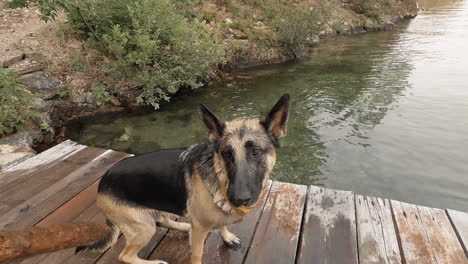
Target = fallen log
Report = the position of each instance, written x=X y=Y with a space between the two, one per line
x=36 y=240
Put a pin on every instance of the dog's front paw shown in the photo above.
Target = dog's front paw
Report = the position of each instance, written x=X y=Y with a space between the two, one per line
x=158 y=262
x=231 y=240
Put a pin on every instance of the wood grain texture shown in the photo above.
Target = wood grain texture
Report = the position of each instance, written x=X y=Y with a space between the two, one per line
x=37 y=164
x=42 y=180
x=277 y=234
x=174 y=248
x=39 y=205
x=216 y=251
x=376 y=234
x=113 y=253
x=329 y=230
x=426 y=235
x=46 y=156
x=90 y=214
x=459 y=222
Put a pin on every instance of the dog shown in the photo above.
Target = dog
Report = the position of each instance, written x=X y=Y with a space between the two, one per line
x=214 y=184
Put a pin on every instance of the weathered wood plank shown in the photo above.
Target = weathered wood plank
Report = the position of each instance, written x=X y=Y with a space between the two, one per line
x=329 y=230
x=376 y=234
x=442 y=238
x=426 y=235
x=277 y=234
x=174 y=248
x=41 y=181
x=73 y=210
x=41 y=204
x=94 y=215
x=45 y=156
x=111 y=256
x=37 y=164
x=90 y=214
x=216 y=251
x=459 y=222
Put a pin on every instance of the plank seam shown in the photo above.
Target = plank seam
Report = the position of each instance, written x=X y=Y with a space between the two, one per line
x=457 y=233
x=258 y=221
x=159 y=242
x=301 y=228
x=397 y=231
x=357 y=230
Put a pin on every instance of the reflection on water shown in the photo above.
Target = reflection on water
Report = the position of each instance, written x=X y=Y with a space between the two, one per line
x=382 y=114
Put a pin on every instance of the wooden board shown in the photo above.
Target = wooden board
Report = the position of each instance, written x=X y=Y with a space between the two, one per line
x=215 y=250
x=90 y=214
x=426 y=235
x=329 y=230
x=41 y=204
x=376 y=234
x=37 y=164
x=42 y=180
x=459 y=222
x=174 y=248
x=277 y=234
x=46 y=156
x=111 y=256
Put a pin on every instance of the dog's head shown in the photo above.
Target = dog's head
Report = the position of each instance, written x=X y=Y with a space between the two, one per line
x=246 y=150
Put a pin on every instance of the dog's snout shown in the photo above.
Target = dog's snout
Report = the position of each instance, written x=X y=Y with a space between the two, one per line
x=242 y=200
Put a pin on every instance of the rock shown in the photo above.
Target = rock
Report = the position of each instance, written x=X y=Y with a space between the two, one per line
x=90 y=98
x=42 y=84
x=80 y=86
x=114 y=101
x=23 y=139
x=14 y=158
x=41 y=105
x=34 y=67
x=237 y=34
x=35 y=56
x=11 y=60
x=228 y=20
x=5 y=149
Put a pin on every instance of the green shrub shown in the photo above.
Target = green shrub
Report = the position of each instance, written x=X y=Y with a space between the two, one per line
x=293 y=26
x=15 y=103
x=102 y=95
x=162 y=50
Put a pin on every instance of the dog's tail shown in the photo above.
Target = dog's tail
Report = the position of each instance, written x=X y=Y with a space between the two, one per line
x=103 y=244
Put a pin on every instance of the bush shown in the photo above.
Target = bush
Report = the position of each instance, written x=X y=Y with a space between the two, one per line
x=15 y=103
x=151 y=44
x=293 y=26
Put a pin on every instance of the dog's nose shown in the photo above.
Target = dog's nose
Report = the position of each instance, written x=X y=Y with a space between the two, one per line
x=240 y=201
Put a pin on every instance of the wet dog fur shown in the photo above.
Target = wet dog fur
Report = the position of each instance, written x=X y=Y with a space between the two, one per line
x=140 y=191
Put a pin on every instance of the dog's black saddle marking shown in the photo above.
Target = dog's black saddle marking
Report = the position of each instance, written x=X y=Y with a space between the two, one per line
x=153 y=180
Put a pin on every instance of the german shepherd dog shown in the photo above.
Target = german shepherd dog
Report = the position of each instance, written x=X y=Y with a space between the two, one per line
x=213 y=184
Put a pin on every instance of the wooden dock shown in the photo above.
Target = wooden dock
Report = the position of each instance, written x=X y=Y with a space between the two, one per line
x=294 y=224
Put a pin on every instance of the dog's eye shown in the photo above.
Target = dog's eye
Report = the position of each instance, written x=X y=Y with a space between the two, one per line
x=228 y=155
x=256 y=152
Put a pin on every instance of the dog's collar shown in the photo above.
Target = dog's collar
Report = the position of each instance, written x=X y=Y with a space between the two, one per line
x=241 y=210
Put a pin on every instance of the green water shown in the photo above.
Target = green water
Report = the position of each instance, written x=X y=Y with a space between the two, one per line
x=383 y=114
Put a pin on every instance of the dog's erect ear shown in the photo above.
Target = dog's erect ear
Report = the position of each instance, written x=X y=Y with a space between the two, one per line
x=213 y=124
x=276 y=121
